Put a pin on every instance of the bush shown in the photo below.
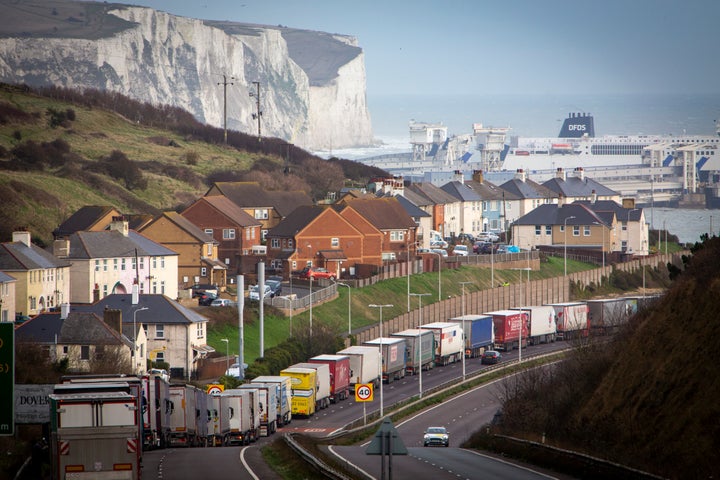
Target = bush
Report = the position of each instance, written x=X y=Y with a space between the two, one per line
x=118 y=166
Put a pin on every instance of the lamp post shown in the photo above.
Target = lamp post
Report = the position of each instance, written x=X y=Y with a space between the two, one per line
x=463 y=327
x=227 y=354
x=372 y=305
x=439 y=275
x=349 y=306
x=134 y=352
x=310 y=277
x=521 y=311
x=420 y=357
x=565 y=241
x=642 y=263
x=602 y=226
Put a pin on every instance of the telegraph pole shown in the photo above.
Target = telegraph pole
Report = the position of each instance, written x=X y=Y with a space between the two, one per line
x=258 y=112
x=225 y=83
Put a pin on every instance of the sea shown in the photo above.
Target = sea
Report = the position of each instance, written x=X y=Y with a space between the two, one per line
x=530 y=115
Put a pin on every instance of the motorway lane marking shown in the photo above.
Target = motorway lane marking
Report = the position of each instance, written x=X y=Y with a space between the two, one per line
x=245 y=464
x=344 y=460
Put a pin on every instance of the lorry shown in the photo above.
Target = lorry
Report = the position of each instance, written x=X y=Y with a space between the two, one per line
x=420 y=349
x=94 y=432
x=393 y=356
x=156 y=389
x=241 y=409
x=448 y=341
x=304 y=386
x=479 y=333
x=183 y=419
x=339 y=374
x=542 y=324
x=267 y=406
x=607 y=314
x=364 y=364
x=322 y=389
x=283 y=395
x=511 y=328
x=571 y=319
x=218 y=425
x=202 y=417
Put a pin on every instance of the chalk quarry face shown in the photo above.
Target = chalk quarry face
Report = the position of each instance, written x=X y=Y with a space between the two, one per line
x=311 y=84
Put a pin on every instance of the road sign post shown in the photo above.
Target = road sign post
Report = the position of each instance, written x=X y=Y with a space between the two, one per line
x=364 y=394
x=7 y=378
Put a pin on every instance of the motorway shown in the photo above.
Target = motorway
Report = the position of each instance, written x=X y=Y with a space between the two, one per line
x=462 y=415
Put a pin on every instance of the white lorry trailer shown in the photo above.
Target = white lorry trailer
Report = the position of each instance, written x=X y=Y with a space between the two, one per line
x=364 y=364
x=448 y=341
x=283 y=395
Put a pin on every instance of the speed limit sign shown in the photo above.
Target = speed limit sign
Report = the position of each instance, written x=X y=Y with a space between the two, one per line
x=364 y=392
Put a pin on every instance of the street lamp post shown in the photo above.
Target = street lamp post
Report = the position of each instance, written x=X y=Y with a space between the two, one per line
x=311 y=302
x=565 y=241
x=464 y=337
x=372 y=305
x=602 y=226
x=439 y=275
x=521 y=310
x=349 y=306
x=134 y=352
x=420 y=357
x=227 y=354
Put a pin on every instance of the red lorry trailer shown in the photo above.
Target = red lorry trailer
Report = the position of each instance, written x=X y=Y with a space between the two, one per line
x=339 y=374
x=508 y=325
x=572 y=320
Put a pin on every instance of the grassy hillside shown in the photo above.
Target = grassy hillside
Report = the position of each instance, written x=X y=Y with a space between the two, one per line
x=61 y=149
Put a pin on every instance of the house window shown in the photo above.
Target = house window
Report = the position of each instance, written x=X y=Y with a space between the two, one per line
x=294 y=265
x=261 y=213
x=228 y=234
x=99 y=352
x=159 y=331
x=397 y=235
x=203 y=271
x=538 y=230
x=65 y=350
x=154 y=263
x=209 y=250
x=122 y=264
x=97 y=265
x=105 y=265
x=548 y=230
x=162 y=287
x=335 y=242
x=115 y=263
x=624 y=226
x=200 y=332
x=209 y=231
x=227 y=261
x=290 y=243
x=84 y=352
x=576 y=230
x=142 y=263
x=133 y=263
x=275 y=243
x=105 y=290
x=586 y=230
x=162 y=262
x=160 y=357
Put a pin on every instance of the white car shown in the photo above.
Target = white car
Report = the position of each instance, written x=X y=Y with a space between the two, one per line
x=255 y=292
x=436 y=436
x=460 y=250
x=487 y=237
x=222 y=302
x=234 y=370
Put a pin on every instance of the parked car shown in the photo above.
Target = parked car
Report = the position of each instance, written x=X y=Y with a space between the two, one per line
x=466 y=237
x=487 y=237
x=436 y=436
x=234 y=370
x=460 y=250
x=199 y=289
x=317 y=272
x=206 y=299
x=275 y=284
x=441 y=251
x=485 y=248
x=490 y=357
x=254 y=293
x=222 y=302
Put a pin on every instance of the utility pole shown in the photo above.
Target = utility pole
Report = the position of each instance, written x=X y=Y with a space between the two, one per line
x=225 y=83
x=258 y=112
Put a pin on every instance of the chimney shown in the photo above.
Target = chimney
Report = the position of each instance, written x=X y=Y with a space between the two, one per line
x=22 y=237
x=96 y=293
x=560 y=174
x=477 y=175
x=120 y=224
x=64 y=310
x=580 y=173
x=561 y=200
x=459 y=177
x=61 y=248
x=520 y=175
x=113 y=317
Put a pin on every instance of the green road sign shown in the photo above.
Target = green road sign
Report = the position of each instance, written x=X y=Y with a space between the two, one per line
x=7 y=378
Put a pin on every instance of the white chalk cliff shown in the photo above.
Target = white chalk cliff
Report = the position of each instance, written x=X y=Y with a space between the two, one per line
x=312 y=84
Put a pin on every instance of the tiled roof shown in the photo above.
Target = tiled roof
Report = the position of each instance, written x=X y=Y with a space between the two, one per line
x=252 y=195
x=77 y=328
x=189 y=227
x=16 y=256
x=162 y=310
x=231 y=210
x=411 y=209
x=436 y=194
x=527 y=189
x=553 y=214
x=383 y=213
x=111 y=243
x=461 y=191
x=490 y=191
x=576 y=187
x=84 y=219
x=297 y=220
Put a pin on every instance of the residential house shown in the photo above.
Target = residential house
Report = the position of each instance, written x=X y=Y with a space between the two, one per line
x=111 y=261
x=386 y=215
x=176 y=335
x=7 y=297
x=96 y=218
x=496 y=202
x=88 y=342
x=471 y=212
x=579 y=187
x=316 y=236
x=630 y=230
x=395 y=187
x=197 y=250
x=268 y=207
x=43 y=280
x=236 y=232
x=525 y=195
x=422 y=219
x=444 y=208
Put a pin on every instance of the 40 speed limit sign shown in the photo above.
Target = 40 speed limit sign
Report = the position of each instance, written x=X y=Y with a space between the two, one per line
x=364 y=392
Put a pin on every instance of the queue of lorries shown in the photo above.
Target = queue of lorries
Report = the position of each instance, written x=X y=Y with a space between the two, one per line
x=100 y=424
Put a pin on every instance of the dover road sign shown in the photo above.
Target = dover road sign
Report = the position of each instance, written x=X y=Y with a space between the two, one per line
x=7 y=378
x=364 y=392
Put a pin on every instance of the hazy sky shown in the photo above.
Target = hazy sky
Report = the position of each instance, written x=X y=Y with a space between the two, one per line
x=506 y=46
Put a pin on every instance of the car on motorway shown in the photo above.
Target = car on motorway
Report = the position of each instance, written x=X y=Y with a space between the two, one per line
x=316 y=272
x=461 y=250
x=490 y=357
x=436 y=436
x=222 y=302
